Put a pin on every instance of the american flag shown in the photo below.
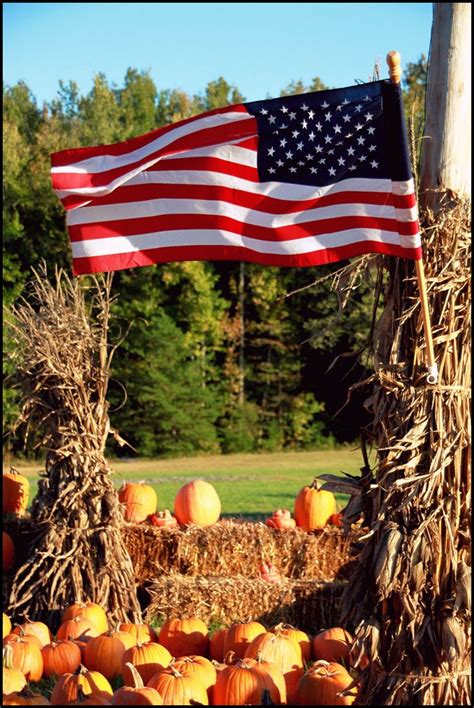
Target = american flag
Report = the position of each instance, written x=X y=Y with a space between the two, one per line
x=295 y=181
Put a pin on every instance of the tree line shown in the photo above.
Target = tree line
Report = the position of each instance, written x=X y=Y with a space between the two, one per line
x=220 y=356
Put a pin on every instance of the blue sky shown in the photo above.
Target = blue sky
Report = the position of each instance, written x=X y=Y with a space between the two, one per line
x=258 y=47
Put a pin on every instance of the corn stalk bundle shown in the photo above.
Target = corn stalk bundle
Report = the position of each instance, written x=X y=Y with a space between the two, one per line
x=62 y=362
x=409 y=597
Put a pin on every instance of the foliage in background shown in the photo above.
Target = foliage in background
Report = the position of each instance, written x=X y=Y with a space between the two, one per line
x=217 y=357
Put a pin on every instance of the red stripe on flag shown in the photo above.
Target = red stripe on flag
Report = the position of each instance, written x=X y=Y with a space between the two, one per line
x=70 y=157
x=201 y=138
x=100 y=264
x=192 y=222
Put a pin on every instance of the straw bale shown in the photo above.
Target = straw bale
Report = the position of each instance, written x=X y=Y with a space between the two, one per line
x=233 y=547
x=308 y=604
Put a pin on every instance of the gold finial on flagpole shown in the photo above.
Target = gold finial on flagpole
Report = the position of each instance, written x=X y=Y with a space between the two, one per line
x=394 y=66
x=395 y=73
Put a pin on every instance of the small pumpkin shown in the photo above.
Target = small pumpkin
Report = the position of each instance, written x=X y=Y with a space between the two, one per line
x=333 y=644
x=89 y=611
x=177 y=689
x=104 y=654
x=281 y=519
x=277 y=687
x=13 y=679
x=197 y=503
x=281 y=650
x=25 y=655
x=183 y=636
x=7 y=625
x=147 y=658
x=314 y=507
x=16 y=490
x=300 y=637
x=269 y=573
x=35 y=629
x=137 y=694
x=139 y=501
x=67 y=686
x=25 y=697
x=322 y=684
x=102 y=698
x=8 y=552
x=241 y=684
x=216 y=644
x=238 y=637
x=61 y=657
x=199 y=667
x=163 y=519
x=78 y=628
x=140 y=632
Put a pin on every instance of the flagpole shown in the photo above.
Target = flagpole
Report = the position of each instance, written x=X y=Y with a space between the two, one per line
x=395 y=72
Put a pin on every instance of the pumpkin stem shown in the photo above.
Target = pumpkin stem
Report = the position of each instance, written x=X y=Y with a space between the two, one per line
x=175 y=672
x=137 y=679
x=229 y=657
x=316 y=484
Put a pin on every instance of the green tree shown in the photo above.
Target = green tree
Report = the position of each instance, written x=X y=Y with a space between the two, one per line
x=137 y=103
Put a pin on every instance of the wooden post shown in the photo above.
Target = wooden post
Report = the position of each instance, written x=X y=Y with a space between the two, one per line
x=394 y=66
x=446 y=155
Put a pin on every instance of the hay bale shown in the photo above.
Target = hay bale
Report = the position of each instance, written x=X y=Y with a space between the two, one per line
x=237 y=548
x=308 y=604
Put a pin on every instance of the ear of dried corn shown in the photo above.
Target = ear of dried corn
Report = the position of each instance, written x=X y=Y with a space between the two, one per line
x=412 y=581
x=62 y=361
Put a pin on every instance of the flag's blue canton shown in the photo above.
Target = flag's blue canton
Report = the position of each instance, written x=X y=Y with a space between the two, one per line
x=323 y=137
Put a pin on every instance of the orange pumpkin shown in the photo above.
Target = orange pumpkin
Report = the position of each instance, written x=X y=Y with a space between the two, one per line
x=298 y=636
x=89 y=611
x=66 y=688
x=25 y=655
x=16 y=490
x=282 y=651
x=178 y=690
x=7 y=625
x=184 y=636
x=147 y=658
x=104 y=654
x=241 y=684
x=314 y=507
x=333 y=645
x=140 y=632
x=269 y=573
x=35 y=629
x=277 y=688
x=25 y=697
x=139 y=500
x=8 y=551
x=137 y=694
x=163 y=519
x=321 y=685
x=216 y=644
x=281 y=519
x=239 y=636
x=199 y=667
x=92 y=699
x=197 y=503
x=61 y=657
x=78 y=628
x=13 y=679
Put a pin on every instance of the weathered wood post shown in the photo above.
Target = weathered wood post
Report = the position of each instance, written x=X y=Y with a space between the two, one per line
x=446 y=156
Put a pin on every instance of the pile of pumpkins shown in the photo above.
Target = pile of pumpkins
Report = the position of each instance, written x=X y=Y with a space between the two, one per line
x=197 y=502
x=243 y=664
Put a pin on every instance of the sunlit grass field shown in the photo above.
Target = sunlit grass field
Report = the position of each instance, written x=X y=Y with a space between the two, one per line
x=249 y=485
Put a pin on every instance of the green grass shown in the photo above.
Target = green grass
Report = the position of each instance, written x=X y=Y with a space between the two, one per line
x=249 y=485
